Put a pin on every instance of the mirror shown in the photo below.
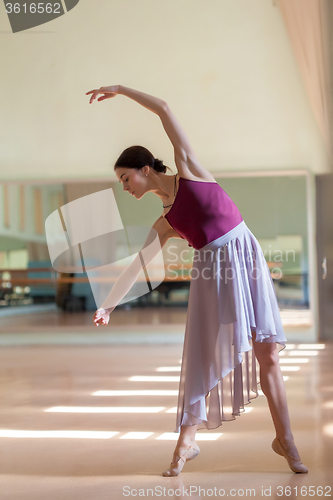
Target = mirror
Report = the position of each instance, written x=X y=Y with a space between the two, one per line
x=273 y=206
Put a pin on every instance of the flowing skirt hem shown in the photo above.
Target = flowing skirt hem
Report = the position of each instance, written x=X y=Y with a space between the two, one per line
x=205 y=424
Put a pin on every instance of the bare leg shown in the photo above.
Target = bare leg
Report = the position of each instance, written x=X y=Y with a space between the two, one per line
x=273 y=387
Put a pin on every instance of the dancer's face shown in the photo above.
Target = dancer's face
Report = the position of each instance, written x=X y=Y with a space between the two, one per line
x=134 y=181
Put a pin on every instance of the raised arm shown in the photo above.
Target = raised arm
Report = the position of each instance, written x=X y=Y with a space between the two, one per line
x=185 y=158
x=129 y=276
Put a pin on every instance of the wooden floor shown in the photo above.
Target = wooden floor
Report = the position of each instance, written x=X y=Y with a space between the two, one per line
x=60 y=438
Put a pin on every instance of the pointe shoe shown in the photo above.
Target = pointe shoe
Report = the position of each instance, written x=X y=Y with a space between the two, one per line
x=176 y=467
x=294 y=460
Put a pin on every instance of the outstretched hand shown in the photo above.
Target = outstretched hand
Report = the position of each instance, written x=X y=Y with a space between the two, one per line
x=101 y=317
x=108 y=93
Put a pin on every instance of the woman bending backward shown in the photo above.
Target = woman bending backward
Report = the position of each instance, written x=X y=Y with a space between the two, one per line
x=233 y=320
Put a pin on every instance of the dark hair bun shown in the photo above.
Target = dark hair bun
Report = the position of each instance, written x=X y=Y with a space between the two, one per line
x=138 y=157
x=159 y=166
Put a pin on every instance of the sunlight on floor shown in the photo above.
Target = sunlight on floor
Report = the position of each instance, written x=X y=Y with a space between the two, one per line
x=107 y=409
x=291 y=361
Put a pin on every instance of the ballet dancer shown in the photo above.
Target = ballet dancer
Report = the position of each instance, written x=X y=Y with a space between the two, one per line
x=233 y=322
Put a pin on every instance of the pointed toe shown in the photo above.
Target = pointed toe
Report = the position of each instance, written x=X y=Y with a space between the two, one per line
x=176 y=467
x=293 y=458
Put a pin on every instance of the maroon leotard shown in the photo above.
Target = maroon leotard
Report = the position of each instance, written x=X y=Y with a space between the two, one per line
x=202 y=212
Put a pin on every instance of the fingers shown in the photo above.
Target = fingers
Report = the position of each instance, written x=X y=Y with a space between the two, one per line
x=94 y=94
x=97 y=319
x=102 y=90
x=100 y=318
x=93 y=97
x=100 y=321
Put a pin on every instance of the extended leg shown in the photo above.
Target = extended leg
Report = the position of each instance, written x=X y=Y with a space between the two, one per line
x=273 y=387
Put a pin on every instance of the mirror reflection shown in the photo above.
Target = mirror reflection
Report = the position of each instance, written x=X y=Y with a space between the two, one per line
x=274 y=208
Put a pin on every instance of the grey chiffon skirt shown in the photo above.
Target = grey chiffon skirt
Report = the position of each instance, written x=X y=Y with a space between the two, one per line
x=231 y=295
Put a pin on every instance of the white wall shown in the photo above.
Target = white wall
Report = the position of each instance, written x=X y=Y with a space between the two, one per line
x=225 y=67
